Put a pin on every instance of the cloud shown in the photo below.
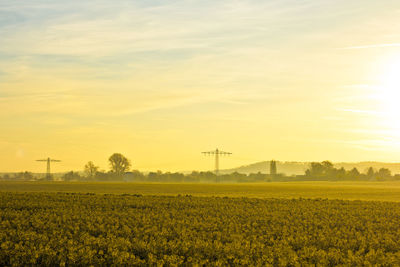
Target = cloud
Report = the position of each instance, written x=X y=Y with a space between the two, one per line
x=92 y=104
x=371 y=46
x=99 y=28
x=368 y=112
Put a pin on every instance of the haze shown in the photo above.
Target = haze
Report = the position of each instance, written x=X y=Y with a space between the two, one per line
x=162 y=81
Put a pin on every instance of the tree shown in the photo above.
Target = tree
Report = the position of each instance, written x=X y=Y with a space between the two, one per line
x=338 y=173
x=370 y=172
x=24 y=176
x=327 y=165
x=354 y=174
x=384 y=173
x=316 y=169
x=102 y=175
x=272 y=168
x=119 y=164
x=91 y=170
x=324 y=169
x=330 y=171
x=71 y=176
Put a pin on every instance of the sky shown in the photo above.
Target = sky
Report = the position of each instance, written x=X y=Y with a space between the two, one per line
x=162 y=81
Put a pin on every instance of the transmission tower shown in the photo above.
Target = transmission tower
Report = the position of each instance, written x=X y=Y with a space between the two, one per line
x=48 y=160
x=217 y=153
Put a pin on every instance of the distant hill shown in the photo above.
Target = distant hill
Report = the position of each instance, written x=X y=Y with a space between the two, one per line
x=297 y=168
x=288 y=168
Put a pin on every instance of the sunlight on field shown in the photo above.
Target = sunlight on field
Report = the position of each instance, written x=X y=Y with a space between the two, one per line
x=381 y=191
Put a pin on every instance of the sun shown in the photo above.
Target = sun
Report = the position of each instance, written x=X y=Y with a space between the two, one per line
x=390 y=78
x=388 y=93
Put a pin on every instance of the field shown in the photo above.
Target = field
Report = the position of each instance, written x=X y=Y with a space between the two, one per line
x=381 y=191
x=277 y=224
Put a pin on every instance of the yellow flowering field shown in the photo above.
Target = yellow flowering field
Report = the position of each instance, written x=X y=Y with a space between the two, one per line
x=64 y=229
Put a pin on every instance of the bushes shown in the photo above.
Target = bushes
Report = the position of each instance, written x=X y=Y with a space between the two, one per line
x=81 y=229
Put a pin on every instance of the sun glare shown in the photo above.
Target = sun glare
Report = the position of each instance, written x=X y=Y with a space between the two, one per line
x=388 y=94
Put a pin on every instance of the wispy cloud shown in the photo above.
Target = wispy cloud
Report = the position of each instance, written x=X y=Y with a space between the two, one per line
x=368 y=112
x=371 y=46
x=73 y=103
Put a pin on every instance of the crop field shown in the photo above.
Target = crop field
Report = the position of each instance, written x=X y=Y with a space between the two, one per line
x=61 y=229
x=380 y=191
x=276 y=224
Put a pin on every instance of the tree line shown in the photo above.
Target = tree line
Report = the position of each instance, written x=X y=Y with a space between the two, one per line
x=326 y=171
x=120 y=170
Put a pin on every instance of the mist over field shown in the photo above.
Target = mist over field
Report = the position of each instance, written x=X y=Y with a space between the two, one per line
x=298 y=168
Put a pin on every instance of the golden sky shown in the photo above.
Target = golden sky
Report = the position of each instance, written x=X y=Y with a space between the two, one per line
x=161 y=81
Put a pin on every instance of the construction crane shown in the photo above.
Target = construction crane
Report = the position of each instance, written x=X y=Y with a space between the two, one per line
x=217 y=153
x=48 y=160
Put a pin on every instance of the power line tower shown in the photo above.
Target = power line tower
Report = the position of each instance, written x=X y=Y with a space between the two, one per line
x=48 y=160
x=217 y=153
